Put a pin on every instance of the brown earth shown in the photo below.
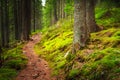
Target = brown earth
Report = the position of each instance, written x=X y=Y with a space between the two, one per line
x=37 y=68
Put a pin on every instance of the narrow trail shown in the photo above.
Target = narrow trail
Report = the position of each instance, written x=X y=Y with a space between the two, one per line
x=37 y=68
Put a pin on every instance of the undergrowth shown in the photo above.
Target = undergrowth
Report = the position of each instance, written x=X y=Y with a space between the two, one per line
x=108 y=17
x=55 y=43
x=13 y=61
x=99 y=60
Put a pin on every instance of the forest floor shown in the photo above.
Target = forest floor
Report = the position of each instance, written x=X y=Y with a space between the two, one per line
x=37 y=68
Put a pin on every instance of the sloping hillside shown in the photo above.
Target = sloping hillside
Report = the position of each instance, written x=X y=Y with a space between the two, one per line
x=99 y=60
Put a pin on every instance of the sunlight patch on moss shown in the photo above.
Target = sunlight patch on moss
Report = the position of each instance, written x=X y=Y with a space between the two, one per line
x=55 y=44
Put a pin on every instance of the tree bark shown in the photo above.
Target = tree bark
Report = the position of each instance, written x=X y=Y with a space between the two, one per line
x=16 y=17
x=26 y=19
x=6 y=23
x=0 y=56
x=34 y=17
x=58 y=9
x=55 y=11
x=90 y=15
x=80 y=29
x=2 y=24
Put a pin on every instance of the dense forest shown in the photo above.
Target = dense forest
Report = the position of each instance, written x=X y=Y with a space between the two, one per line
x=59 y=40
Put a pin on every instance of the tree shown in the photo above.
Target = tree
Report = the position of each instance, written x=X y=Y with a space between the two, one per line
x=84 y=22
x=17 y=19
x=38 y=14
x=55 y=11
x=2 y=24
x=80 y=29
x=90 y=15
x=5 y=23
x=26 y=19
x=0 y=56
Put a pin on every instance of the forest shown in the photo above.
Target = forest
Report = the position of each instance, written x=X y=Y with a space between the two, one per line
x=59 y=39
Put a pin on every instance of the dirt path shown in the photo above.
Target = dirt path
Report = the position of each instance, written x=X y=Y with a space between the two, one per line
x=37 y=68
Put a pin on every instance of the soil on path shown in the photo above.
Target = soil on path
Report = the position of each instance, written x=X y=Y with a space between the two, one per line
x=37 y=68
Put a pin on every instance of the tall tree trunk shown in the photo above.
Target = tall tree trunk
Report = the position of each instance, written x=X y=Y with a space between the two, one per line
x=80 y=29
x=90 y=15
x=16 y=20
x=2 y=23
x=34 y=16
x=26 y=19
x=58 y=9
x=55 y=11
x=20 y=18
x=6 y=23
x=63 y=8
x=0 y=32
x=0 y=56
x=63 y=5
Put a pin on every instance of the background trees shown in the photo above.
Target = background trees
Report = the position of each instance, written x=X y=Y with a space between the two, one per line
x=20 y=17
x=4 y=23
x=56 y=10
x=16 y=19
x=36 y=15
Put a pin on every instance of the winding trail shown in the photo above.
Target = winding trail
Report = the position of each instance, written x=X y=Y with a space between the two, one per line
x=37 y=68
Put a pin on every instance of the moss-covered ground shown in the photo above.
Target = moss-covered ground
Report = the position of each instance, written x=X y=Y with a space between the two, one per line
x=99 y=60
x=108 y=17
x=13 y=61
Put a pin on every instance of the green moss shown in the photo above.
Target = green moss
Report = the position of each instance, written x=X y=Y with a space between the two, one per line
x=73 y=73
x=109 y=38
x=60 y=64
x=100 y=58
x=100 y=64
x=14 y=60
x=107 y=17
x=99 y=13
x=70 y=57
x=55 y=44
x=7 y=74
x=17 y=64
